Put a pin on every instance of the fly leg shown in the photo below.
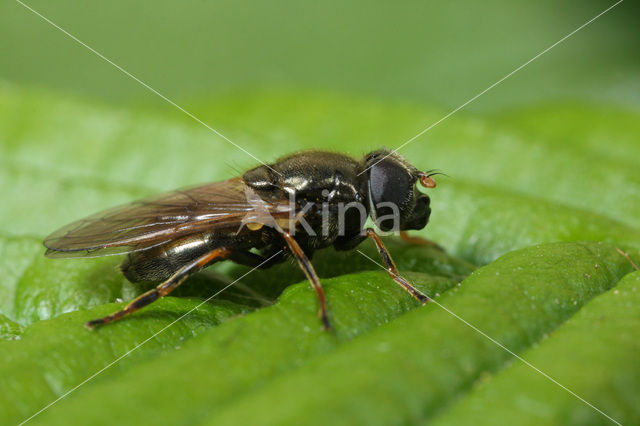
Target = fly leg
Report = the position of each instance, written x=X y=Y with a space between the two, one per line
x=392 y=270
x=166 y=287
x=307 y=268
x=253 y=260
x=418 y=240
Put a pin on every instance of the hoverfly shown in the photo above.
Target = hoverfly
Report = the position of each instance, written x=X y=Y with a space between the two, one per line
x=299 y=204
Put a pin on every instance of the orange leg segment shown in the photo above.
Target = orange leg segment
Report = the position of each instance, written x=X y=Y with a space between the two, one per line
x=165 y=288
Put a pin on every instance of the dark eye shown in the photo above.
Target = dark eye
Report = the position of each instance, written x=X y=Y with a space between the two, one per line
x=390 y=182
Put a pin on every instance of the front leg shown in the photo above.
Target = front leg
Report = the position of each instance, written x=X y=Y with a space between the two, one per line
x=392 y=270
x=404 y=235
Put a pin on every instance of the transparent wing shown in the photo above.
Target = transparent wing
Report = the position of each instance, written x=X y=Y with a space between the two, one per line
x=155 y=221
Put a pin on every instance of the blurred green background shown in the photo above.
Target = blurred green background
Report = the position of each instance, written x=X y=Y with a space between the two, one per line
x=430 y=52
x=550 y=155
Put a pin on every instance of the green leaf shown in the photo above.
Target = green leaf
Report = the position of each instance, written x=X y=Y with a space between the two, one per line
x=412 y=366
x=414 y=378
x=514 y=184
x=606 y=374
x=9 y=329
x=51 y=357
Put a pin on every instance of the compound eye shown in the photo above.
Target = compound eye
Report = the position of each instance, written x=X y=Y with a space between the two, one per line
x=390 y=182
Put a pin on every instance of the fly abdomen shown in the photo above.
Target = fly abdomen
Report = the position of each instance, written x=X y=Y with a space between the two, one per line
x=159 y=263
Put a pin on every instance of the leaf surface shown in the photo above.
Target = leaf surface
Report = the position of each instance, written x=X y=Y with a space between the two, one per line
x=530 y=188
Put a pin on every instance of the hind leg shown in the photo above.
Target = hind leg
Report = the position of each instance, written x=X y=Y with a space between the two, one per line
x=247 y=258
x=166 y=287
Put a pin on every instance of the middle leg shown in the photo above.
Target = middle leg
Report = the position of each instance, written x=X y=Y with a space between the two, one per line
x=307 y=268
